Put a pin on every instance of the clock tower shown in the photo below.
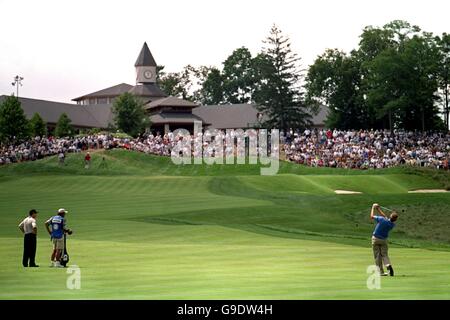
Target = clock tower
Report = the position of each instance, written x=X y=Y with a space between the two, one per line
x=145 y=66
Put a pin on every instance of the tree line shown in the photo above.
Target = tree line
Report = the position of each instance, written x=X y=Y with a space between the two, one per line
x=271 y=79
x=15 y=127
x=128 y=110
x=397 y=77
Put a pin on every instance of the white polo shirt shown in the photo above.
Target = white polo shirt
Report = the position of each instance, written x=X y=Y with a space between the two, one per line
x=28 y=225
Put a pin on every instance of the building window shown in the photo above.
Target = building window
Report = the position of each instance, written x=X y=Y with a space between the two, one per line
x=102 y=101
x=92 y=101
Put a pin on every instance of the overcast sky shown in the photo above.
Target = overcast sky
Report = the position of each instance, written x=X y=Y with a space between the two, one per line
x=65 y=49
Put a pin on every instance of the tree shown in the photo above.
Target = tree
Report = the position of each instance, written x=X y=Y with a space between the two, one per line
x=403 y=83
x=159 y=72
x=278 y=93
x=38 y=126
x=171 y=84
x=211 y=91
x=186 y=84
x=421 y=56
x=14 y=127
x=235 y=83
x=209 y=85
x=378 y=44
x=334 y=80
x=374 y=41
x=129 y=114
x=389 y=81
x=178 y=84
x=444 y=74
x=238 y=77
x=63 y=126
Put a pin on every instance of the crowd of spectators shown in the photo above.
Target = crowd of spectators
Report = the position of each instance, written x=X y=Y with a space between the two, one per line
x=364 y=149
x=356 y=149
x=41 y=147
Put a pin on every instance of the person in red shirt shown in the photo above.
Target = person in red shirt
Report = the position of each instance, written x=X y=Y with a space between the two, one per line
x=87 y=160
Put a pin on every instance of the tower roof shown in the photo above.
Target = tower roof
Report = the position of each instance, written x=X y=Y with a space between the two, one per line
x=145 y=58
x=147 y=90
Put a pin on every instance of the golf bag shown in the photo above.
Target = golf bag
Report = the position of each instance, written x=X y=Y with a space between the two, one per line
x=65 y=256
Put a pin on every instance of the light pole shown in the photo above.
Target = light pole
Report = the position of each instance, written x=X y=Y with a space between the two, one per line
x=17 y=83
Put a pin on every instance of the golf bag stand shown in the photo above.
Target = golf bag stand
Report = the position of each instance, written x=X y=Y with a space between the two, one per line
x=65 y=256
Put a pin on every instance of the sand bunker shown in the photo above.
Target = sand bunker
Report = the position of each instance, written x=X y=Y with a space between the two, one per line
x=346 y=192
x=428 y=191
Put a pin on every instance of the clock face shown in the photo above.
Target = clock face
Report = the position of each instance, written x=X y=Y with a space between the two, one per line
x=148 y=74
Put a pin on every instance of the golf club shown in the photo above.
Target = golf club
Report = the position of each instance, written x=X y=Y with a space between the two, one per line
x=385 y=208
x=391 y=210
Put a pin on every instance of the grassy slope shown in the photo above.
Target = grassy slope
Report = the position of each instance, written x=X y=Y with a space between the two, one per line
x=122 y=162
x=148 y=229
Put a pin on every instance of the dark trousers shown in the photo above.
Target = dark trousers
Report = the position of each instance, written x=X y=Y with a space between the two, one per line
x=29 y=249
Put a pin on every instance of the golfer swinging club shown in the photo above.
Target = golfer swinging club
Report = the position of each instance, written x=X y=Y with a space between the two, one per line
x=379 y=238
x=58 y=228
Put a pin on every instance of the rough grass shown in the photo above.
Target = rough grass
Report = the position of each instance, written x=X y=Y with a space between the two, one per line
x=145 y=228
x=123 y=162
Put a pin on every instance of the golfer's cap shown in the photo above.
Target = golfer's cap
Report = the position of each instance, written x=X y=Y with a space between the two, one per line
x=62 y=210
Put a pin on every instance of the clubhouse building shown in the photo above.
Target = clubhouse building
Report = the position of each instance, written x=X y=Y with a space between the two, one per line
x=167 y=113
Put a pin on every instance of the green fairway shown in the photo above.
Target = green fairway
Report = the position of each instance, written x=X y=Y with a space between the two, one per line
x=147 y=229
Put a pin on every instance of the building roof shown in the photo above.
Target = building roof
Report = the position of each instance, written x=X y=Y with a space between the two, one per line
x=113 y=91
x=231 y=116
x=102 y=113
x=98 y=116
x=145 y=57
x=147 y=90
x=170 y=102
x=181 y=118
x=235 y=116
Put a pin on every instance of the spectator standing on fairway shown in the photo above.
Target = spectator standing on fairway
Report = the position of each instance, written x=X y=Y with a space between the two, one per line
x=61 y=157
x=29 y=228
x=379 y=238
x=87 y=161
x=56 y=227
